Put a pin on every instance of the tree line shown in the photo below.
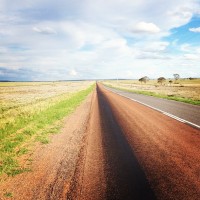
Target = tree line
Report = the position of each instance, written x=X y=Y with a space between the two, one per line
x=161 y=80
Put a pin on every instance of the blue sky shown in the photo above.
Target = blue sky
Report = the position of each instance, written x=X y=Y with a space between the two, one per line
x=90 y=39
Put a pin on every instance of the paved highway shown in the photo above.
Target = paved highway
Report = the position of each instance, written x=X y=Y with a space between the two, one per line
x=135 y=152
x=184 y=112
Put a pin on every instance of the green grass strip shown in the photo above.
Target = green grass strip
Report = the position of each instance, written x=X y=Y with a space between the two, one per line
x=163 y=96
x=24 y=128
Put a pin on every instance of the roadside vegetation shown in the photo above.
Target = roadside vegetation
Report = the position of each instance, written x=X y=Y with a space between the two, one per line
x=183 y=90
x=29 y=114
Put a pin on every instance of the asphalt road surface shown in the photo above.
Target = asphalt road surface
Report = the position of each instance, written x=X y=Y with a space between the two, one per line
x=188 y=112
x=135 y=152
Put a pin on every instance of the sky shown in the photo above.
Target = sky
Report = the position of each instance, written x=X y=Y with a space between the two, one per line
x=49 y=40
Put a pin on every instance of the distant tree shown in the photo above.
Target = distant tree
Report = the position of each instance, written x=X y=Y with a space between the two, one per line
x=161 y=80
x=144 y=79
x=191 y=78
x=170 y=82
x=140 y=80
x=176 y=77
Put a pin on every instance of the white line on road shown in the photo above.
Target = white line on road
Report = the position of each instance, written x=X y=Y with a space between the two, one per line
x=163 y=112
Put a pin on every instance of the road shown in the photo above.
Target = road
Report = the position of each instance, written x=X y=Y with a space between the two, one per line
x=110 y=169
x=134 y=152
x=188 y=112
x=113 y=148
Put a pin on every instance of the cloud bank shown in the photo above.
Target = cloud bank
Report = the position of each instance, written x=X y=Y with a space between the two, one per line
x=64 y=39
x=196 y=30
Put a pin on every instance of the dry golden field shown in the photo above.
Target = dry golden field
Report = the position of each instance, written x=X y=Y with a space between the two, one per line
x=17 y=99
x=30 y=111
x=185 y=88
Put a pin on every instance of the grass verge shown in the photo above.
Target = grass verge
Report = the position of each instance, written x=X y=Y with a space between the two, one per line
x=16 y=138
x=149 y=93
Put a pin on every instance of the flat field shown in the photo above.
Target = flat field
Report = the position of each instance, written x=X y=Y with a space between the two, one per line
x=29 y=112
x=184 y=90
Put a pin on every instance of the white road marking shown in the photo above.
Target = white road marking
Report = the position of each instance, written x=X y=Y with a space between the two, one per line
x=163 y=112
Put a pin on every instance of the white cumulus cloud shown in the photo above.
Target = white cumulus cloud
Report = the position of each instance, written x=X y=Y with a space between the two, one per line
x=196 y=30
x=144 y=27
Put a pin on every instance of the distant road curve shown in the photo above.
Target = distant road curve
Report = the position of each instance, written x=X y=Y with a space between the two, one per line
x=186 y=113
